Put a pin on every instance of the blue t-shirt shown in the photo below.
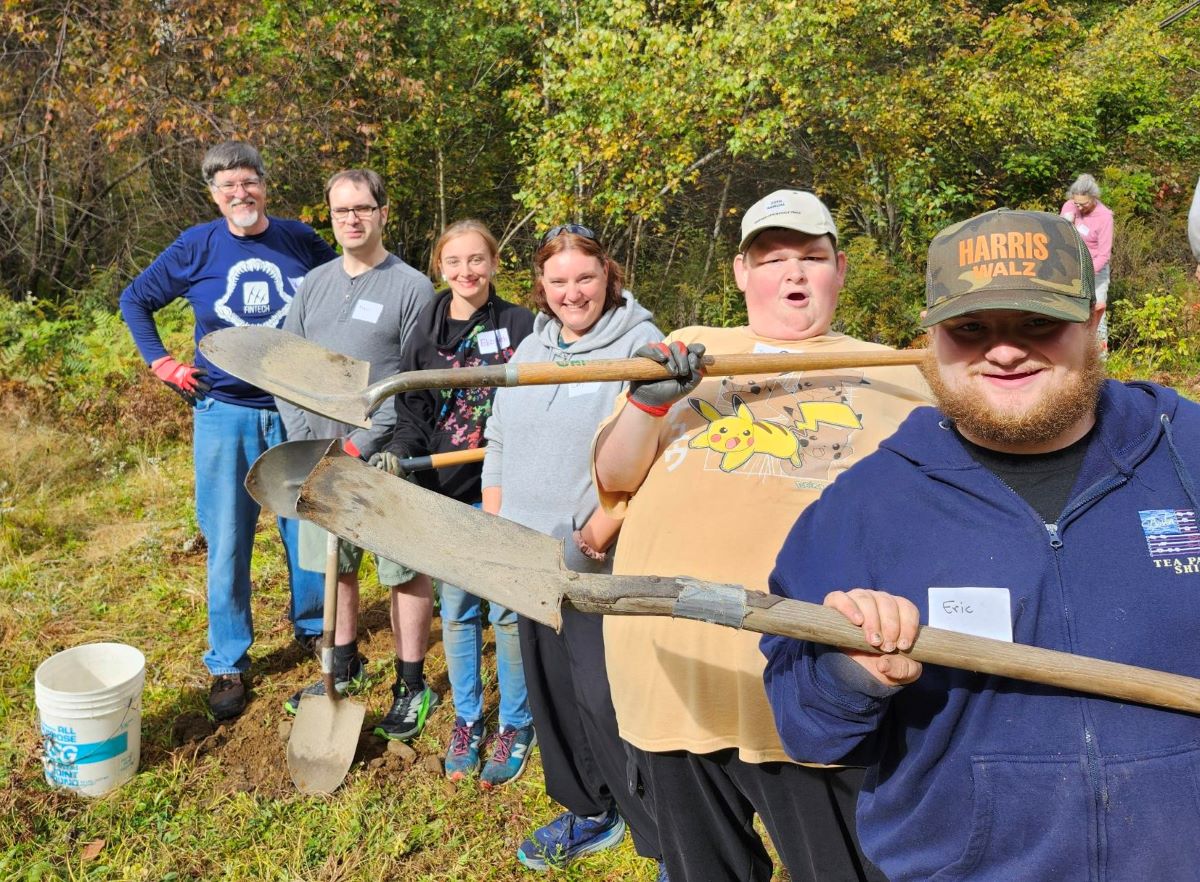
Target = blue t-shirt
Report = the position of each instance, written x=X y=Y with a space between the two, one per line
x=229 y=281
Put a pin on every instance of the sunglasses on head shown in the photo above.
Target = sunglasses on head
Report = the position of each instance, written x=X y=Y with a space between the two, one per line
x=577 y=229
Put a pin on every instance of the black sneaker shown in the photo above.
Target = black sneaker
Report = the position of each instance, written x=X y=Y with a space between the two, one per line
x=227 y=696
x=350 y=681
x=409 y=713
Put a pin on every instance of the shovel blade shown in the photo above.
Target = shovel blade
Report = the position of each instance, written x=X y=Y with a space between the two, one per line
x=323 y=742
x=275 y=477
x=495 y=559
x=292 y=368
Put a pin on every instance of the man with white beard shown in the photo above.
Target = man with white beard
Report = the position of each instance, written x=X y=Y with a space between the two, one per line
x=1038 y=503
x=243 y=269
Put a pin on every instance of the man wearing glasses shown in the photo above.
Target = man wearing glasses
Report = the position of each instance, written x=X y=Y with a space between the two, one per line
x=363 y=305
x=243 y=269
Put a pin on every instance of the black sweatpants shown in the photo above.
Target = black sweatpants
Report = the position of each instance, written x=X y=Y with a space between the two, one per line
x=705 y=805
x=586 y=764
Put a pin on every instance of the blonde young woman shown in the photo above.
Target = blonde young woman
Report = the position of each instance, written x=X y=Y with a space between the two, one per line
x=466 y=325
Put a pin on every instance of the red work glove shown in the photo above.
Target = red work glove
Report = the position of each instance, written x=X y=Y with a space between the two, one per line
x=187 y=380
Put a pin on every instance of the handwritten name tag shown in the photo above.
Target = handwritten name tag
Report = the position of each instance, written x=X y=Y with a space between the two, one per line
x=983 y=612
x=493 y=341
x=366 y=311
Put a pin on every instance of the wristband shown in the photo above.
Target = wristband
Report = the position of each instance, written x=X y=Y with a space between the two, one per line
x=655 y=410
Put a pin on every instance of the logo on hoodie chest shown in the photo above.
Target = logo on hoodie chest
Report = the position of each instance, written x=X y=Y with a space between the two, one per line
x=1172 y=538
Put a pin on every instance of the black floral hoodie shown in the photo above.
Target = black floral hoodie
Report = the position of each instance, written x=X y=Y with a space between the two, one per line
x=443 y=420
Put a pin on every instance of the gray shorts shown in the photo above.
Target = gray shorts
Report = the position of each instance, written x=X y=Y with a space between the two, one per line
x=312 y=557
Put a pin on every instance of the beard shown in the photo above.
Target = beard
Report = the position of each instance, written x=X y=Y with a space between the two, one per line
x=245 y=221
x=1047 y=418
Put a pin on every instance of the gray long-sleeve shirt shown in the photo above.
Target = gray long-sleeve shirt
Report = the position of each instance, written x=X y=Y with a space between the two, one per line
x=368 y=317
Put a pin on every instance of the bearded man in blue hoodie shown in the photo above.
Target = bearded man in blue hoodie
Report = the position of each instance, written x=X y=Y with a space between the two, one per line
x=1060 y=509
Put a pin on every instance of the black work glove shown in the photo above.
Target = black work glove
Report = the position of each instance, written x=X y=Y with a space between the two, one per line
x=386 y=461
x=655 y=397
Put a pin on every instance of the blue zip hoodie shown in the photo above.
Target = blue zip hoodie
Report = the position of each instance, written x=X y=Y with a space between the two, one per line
x=983 y=777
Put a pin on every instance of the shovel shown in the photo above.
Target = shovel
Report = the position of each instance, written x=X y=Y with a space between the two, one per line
x=325 y=733
x=523 y=570
x=275 y=477
x=294 y=369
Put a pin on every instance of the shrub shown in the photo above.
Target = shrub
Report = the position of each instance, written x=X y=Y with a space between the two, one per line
x=79 y=368
x=882 y=301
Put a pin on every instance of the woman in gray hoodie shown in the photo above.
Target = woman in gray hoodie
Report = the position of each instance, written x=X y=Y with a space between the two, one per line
x=538 y=473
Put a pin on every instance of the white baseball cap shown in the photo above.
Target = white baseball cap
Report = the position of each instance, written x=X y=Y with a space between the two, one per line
x=797 y=210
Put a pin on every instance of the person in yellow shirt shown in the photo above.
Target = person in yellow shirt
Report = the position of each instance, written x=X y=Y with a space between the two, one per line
x=708 y=474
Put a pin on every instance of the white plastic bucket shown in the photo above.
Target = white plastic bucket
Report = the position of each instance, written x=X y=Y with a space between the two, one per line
x=89 y=699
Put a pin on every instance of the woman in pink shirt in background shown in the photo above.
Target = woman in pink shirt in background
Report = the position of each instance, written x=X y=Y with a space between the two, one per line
x=1094 y=221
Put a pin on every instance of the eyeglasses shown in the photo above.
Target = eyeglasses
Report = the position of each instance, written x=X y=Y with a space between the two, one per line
x=362 y=212
x=228 y=187
x=577 y=229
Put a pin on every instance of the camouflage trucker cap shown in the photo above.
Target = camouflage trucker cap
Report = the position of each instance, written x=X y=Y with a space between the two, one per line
x=1026 y=260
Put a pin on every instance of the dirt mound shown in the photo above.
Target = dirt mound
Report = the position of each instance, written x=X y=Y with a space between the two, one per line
x=249 y=753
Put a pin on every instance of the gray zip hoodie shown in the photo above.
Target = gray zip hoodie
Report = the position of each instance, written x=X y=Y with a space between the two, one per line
x=539 y=438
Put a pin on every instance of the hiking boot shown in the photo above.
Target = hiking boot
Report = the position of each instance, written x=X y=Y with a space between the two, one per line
x=227 y=696
x=351 y=680
x=462 y=756
x=409 y=712
x=568 y=837
x=510 y=753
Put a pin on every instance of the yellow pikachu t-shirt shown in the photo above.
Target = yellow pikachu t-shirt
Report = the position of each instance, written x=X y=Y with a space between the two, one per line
x=738 y=460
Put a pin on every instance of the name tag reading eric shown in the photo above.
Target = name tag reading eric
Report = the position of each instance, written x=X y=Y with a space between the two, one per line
x=492 y=341
x=982 y=612
x=366 y=311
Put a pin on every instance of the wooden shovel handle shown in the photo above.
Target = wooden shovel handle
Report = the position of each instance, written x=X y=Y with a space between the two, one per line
x=820 y=624
x=442 y=460
x=766 y=614
x=626 y=369
x=720 y=365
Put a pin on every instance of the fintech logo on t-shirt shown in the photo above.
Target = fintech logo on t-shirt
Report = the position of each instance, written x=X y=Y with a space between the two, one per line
x=256 y=294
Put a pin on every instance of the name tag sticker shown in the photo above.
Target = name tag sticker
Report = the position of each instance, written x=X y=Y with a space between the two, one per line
x=493 y=341
x=574 y=390
x=366 y=311
x=983 y=612
x=760 y=348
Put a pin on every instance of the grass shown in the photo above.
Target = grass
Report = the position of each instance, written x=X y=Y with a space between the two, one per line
x=96 y=543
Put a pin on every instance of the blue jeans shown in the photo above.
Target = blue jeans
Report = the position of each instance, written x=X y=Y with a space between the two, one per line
x=226 y=439
x=462 y=637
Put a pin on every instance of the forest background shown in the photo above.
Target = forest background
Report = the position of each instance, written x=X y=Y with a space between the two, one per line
x=656 y=122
